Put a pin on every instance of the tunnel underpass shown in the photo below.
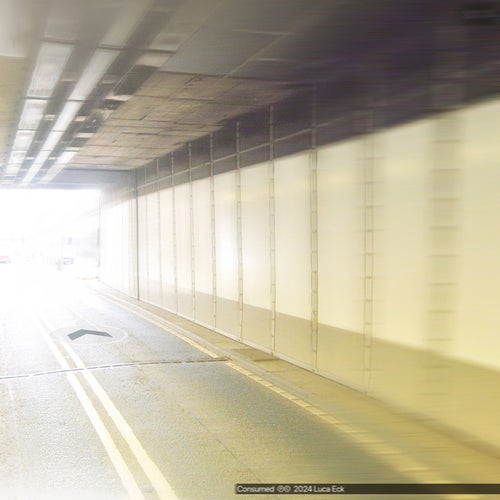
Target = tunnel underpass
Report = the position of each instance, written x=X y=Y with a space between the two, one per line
x=249 y=248
x=103 y=398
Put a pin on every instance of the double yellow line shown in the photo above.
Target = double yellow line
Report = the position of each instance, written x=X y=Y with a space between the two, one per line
x=153 y=473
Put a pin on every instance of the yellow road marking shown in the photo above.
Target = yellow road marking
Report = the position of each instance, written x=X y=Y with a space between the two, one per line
x=179 y=335
x=154 y=474
x=114 y=454
x=397 y=459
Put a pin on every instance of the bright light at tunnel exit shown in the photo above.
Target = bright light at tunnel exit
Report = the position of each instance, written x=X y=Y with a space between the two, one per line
x=51 y=229
x=25 y=213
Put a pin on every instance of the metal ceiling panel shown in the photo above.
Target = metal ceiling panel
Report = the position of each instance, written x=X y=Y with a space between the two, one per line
x=286 y=70
x=260 y=16
x=103 y=160
x=163 y=84
x=105 y=137
x=96 y=166
x=139 y=130
x=188 y=17
x=216 y=52
x=134 y=163
x=173 y=111
x=214 y=113
x=205 y=87
x=137 y=141
x=185 y=129
x=137 y=108
x=114 y=123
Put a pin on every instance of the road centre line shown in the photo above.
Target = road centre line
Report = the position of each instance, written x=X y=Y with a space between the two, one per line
x=152 y=471
x=114 y=454
x=155 y=476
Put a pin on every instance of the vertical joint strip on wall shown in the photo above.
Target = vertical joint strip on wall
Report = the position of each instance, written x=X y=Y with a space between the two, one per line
x=191 y=233
x=158 y=204
x=368 y=162
x=272 y=228
x=445 y=205
x=137 y=242
x=174 y=238
x=120 y=280
x=239 y=232
x=213 y=234
x=314 y=237
x=147 y=243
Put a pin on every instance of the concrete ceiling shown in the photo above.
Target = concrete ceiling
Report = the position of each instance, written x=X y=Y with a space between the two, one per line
x=109 y=85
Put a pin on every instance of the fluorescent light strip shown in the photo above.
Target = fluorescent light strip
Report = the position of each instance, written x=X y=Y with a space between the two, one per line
x=65 y=157
x=65 y=118
x=51 y=60
x=32 y=114
x=23 y=140
x=61 y=162
x=67 y=115
x=91 y=75
x=16 y=157
x=12 y=169
x=36 y=166
x=52 y=139
x=95 y=70
x=21 y=145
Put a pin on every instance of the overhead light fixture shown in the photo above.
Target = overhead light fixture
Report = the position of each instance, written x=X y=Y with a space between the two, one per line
x=52 y=139
x=95 y=70
x=12 y=169
x=66 y=157
x=17 y=157
x=32 y=114
x=51 y=60
x=41 y=157
x=36 y=166
x=67 y=115
x=98 y=65
x=61 y=162
x=23 y=140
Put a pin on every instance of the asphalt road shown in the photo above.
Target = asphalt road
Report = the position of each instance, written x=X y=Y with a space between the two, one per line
x=100 y=403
